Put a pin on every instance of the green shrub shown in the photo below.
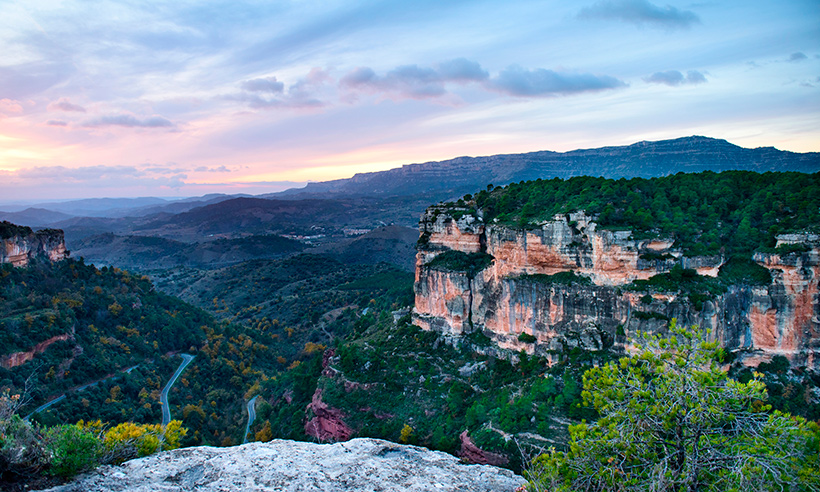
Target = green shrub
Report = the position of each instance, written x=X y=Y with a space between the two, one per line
x=738 y=270
x=526 y=338
x=458 y=261
x=561 y=278
x=73 y=449
x=22 y=454
x=644 y=315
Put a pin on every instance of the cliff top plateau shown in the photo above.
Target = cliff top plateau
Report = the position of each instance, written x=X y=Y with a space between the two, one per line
x=359 y=464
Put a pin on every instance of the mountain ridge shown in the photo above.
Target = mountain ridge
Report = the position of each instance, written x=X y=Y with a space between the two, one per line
x=641 y=159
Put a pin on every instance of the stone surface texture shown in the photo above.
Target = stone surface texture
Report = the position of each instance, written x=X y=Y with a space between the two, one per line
x=505 y=300
x=20 y=249
x=356 y=465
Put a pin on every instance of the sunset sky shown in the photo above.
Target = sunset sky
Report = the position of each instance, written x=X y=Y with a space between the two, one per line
x=183 y=98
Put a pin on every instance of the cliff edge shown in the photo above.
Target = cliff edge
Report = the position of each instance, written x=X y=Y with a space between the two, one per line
x=279 y=465
x=20 y=244
x=569 y=284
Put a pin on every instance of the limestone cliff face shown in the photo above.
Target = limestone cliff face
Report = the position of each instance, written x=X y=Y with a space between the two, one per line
x=509 y=298
x=18 y=245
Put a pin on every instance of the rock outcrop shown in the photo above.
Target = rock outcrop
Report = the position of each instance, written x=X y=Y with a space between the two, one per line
x=327 y=423
x=356 y=465
x=19 y=244
x=513 y=295
x=19 y=358
x=473 y=454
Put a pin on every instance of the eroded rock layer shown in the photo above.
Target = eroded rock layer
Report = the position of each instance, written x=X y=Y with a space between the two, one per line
x=511 y=296
x=21 y=244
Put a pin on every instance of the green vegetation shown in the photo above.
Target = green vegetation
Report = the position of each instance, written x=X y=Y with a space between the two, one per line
x=671 y=419
x=29 y=450
x=561 y=278
x=733 y=212
x=647 y=315
x=9 y=230
x=698 y=288
x=743 y=270
x=278 y=318
x=526 y=338
x=458 y=261
x=385 y=377
x=101 y=322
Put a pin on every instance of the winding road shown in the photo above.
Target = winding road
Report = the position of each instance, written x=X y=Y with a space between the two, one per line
x=251 y=417
x=77 y=389
x=163 y=397
x=44 y=406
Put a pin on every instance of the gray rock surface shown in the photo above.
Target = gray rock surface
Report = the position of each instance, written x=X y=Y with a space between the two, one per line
x=279 y=465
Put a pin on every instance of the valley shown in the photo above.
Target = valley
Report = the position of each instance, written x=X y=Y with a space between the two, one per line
x=460 y=316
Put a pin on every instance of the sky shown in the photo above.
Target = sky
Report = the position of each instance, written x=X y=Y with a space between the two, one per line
x=138 y=98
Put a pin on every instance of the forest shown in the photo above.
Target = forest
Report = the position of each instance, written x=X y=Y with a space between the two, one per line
x=730 y=213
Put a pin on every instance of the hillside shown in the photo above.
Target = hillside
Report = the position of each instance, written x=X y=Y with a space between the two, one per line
x=152 y=253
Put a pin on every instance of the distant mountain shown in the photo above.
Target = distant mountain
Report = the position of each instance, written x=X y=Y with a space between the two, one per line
x=34 y=217
x=643 y=159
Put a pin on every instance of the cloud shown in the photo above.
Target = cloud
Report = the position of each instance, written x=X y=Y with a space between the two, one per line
x=256 y=101
x=267 y=84
x=56 y=123
x=798 y=56
x=10 y=107
x=462 y=69
x=269 y=92
x=315 y=81
x=205 y=169
x=65 y=105
x=540 y=82
x=413 y=81
x=100 y=176
x=640 y=12
x=129 y=121
x=675 y=78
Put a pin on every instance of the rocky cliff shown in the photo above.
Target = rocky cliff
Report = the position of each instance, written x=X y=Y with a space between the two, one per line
x=19 y=244
x=359 y=464
x=527 y=289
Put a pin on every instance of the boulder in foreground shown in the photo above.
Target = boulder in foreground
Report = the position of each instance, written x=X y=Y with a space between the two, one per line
x=279 y=465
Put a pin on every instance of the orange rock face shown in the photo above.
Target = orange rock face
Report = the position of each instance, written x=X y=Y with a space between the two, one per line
x=328 y=423
x=19 y=250
x=19 y=358
x=504 y=300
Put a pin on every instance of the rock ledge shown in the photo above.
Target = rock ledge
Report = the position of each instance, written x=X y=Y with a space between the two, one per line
x=279 y=465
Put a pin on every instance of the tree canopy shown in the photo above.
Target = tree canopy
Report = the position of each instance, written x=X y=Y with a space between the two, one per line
x=672 y=420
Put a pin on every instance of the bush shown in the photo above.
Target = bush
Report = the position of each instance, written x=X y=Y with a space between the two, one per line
x=671 y=419
x=526 y=338
x=561 y=278
x=73 y=449
x=458 y=261
x=22 y=453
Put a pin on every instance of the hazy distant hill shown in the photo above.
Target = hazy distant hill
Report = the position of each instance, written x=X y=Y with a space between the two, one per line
x=148 y=253
x=388 y=244
x=643 y=159
x=34 y=217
